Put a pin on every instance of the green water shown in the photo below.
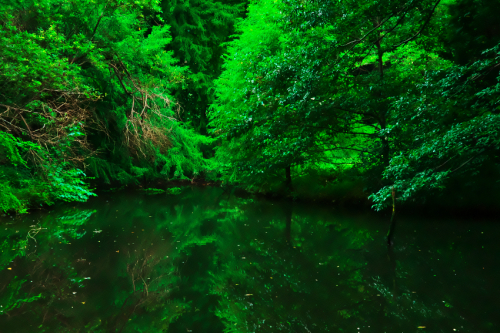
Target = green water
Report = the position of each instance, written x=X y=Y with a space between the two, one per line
x=207 y=261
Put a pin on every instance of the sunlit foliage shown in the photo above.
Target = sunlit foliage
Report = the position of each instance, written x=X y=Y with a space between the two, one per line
x=86 y=88
x=377 y=88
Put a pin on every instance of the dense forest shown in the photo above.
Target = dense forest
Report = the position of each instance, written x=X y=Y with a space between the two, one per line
x=318 y=99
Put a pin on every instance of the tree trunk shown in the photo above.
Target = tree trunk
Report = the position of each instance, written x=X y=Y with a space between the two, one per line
x=385 y=141
x=288 y=178
x=390 y=233
x=385 y=151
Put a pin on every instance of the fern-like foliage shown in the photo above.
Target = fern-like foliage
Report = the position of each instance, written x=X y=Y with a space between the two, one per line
x=87 y=90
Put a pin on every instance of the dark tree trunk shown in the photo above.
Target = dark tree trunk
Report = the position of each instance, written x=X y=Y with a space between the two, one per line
x=288 y=178
x=392 y=228
x=393 y=265
x=385 y=151
x=382 y=121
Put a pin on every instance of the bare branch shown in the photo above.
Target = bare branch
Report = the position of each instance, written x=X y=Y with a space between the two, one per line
x=120 y=79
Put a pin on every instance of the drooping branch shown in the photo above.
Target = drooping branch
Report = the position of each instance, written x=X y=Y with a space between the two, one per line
x=120 y=79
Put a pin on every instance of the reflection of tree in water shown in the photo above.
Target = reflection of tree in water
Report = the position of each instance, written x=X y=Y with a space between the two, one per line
x=427 y=280
x=281 y=271
x=150 y=264
x=305 y=271
x=37 y=275
x=87 y=279
x=151 y=289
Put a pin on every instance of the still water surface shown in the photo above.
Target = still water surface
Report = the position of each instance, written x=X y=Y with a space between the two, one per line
x=207 y=261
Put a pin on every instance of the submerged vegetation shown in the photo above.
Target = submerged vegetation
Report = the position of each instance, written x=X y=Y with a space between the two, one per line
x=306 y=99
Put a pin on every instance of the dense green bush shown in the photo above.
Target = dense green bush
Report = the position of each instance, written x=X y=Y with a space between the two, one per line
x=86 y=90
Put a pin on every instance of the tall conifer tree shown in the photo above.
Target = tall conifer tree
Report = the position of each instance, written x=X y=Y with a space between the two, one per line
x=199 y=30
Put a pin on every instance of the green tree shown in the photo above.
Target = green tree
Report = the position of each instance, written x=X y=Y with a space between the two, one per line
x=87 y=87
x=451 y=121
x=199 y=30
x=318 y=84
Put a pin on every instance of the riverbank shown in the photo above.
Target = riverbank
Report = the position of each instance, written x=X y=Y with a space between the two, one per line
x=351 y=194
x=348 y=194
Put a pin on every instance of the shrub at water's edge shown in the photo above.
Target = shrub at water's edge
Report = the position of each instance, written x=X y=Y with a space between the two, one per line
x=86 y=93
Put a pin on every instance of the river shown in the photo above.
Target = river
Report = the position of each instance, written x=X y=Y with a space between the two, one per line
x=209 y=261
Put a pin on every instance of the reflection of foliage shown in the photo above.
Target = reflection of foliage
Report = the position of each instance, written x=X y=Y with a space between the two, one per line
x=152 y=280
x=152 y=191
x=13 y=298
x=66 y=228
x=69 y=268
x=174 y=190
x=195 y=261
x=35 y=245
x=77 y=218
x=268 y=279
x=316 y=272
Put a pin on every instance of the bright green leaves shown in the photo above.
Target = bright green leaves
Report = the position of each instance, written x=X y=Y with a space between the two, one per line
x=273 y=101
x=243 y=113
x=90 y=84
x=332 y=82
x=29 y=67
x=9 y=149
